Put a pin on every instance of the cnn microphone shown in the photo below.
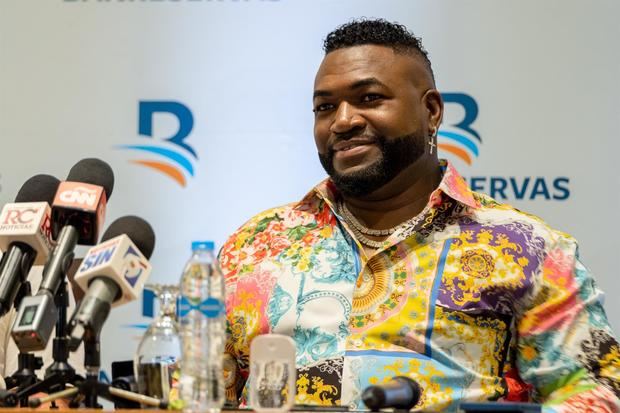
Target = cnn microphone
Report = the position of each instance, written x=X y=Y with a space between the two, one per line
x=25 y=236
x=400 y=393
x=77 y=215
x=112 y=273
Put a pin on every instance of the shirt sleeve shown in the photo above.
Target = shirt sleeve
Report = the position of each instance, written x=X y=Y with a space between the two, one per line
x=566 y=348
x=235 y=364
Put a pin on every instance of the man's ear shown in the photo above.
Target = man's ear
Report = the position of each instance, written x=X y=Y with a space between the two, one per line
x=433 y=103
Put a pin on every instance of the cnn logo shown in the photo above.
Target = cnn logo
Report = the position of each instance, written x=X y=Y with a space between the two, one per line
x=79 y=196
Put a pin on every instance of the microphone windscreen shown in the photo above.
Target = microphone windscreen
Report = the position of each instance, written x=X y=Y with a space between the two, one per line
x=401 y=392
x=39 y=188
x=137 y=229
x=95 y=172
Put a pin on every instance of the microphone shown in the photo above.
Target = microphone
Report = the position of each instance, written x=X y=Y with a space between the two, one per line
x=400 y=393
x=25 y=236
x=112 y=273
x=81 y=200
x=77 y=214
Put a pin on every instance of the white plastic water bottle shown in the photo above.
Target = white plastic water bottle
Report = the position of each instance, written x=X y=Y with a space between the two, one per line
x=203 y=334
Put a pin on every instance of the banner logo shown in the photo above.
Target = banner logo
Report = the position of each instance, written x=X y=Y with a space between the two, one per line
x=459 y=138
x=171 y=156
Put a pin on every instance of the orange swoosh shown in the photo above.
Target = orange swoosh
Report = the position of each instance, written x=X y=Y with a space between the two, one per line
x=165 y=168
x=456 y=151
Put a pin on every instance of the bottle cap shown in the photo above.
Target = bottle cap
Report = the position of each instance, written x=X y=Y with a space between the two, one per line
x=203 y=245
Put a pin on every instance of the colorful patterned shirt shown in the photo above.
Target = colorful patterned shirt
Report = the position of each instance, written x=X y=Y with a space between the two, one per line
x=476 y=301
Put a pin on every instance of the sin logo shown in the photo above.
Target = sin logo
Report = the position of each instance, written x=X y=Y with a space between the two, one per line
x=171 y=156
x=96 y=258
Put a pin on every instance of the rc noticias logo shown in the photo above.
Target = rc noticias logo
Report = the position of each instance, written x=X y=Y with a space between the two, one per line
x=459 y=140
x=170 y=156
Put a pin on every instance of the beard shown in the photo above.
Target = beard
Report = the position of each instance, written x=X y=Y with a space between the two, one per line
x=396 y=155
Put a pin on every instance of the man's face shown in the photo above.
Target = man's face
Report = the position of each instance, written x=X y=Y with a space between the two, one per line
x=370 y=119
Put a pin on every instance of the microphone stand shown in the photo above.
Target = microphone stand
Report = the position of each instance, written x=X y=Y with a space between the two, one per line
x=88 y=390
x=59 y=373
x=27 y=365
x=24 y=377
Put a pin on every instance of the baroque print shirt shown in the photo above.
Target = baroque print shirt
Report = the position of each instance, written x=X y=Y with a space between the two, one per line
x=475 y=301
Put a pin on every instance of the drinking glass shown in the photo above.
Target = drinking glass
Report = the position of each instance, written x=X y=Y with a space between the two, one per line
x=159 y=351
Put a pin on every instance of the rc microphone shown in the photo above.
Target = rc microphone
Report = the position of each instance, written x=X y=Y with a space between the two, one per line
x=399 y=393
x=25 y=236
x=77 y=215
x=112 y=273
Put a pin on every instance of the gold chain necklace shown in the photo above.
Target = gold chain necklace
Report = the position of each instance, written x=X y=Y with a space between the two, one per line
x=358 y=235
x=360 y=227
x=359 y=230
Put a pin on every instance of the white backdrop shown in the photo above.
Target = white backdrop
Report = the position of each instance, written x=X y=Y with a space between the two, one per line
x=73 y=74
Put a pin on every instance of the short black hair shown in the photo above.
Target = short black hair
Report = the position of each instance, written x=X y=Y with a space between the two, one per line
x=376 y=31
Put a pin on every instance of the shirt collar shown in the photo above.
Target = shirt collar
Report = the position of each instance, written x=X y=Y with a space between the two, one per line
x=452 y=184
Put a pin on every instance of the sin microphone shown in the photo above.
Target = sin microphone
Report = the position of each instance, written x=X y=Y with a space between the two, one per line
x=112 y=273
x=400 y=393
x=77 y=215
x=25 y=236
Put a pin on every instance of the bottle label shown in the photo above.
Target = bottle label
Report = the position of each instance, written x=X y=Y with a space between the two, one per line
x=211 y=307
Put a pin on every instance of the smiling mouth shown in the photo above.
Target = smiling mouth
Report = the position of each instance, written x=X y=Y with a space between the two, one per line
x=353 y=152
x=344 y=146
x=349 y=147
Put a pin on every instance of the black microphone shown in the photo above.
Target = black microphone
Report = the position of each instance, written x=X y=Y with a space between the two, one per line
x=77 y=215
x=400 y=393
x=112 y=273
x=25 y=236
x=81 y=200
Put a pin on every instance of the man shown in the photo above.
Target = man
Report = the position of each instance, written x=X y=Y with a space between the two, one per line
x=393 y=266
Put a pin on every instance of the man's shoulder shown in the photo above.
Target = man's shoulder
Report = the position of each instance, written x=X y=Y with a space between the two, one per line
x=272 y=228
x=493 y=212
x=260 y=222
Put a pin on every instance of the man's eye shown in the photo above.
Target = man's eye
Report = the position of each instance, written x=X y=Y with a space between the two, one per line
x=323 y=107
x=371 y=97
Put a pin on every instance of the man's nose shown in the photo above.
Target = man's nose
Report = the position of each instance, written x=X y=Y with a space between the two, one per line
x=346 y=119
